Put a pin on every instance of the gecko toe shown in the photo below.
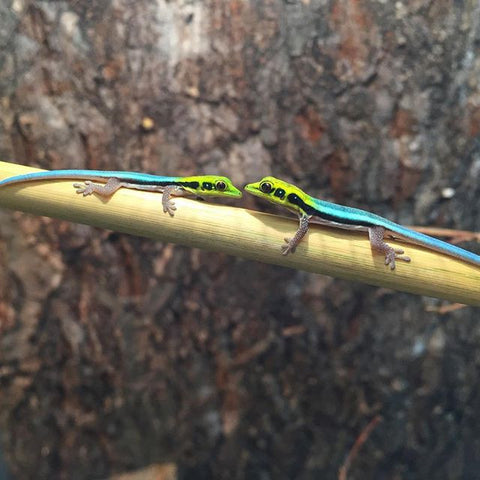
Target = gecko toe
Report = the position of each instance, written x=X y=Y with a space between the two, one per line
x=390 y=259
x=79 y=187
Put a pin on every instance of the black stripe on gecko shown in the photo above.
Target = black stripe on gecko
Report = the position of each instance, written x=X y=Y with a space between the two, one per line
x=294 y=199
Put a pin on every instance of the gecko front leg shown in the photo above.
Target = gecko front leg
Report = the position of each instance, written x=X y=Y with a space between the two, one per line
x=292 y=243
x=168 y=204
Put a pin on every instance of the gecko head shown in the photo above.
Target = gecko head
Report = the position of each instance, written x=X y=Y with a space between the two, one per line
x=279 y=192
x=211 y=186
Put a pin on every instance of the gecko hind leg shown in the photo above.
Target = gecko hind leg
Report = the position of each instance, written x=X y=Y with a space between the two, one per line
x=376 y=236
x=105 y=190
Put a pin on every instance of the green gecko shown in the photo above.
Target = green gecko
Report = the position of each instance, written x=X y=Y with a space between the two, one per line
x=306 y=207
x=199 y=186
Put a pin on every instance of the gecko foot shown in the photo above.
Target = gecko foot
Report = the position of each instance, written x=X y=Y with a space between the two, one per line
x=395 y=254
x=86 y=188
x=169 y=207
x=289 y=247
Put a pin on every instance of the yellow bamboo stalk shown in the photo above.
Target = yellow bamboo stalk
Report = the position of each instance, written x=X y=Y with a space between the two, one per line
x=247 y=234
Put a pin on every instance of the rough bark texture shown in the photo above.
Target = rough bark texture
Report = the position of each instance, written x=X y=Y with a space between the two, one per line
x=117 y=352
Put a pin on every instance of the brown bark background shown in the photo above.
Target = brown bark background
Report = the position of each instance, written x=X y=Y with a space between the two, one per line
x=118 y=352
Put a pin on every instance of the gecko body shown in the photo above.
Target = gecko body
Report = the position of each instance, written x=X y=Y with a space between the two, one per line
x=340 y=216
x=200 y=185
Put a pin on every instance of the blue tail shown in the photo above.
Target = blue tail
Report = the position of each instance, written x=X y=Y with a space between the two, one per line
x=134 y=177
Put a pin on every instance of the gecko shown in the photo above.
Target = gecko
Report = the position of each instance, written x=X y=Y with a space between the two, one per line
x=199 y=186
x=306 y=207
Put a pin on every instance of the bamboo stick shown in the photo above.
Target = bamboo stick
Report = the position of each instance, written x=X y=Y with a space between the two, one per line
x=247 y=234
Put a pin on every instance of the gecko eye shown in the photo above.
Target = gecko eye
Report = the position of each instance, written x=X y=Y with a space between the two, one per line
x=221 y=186
x=266 y=187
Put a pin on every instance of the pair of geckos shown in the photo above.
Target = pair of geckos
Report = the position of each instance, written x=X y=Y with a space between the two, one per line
x=270 y=188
